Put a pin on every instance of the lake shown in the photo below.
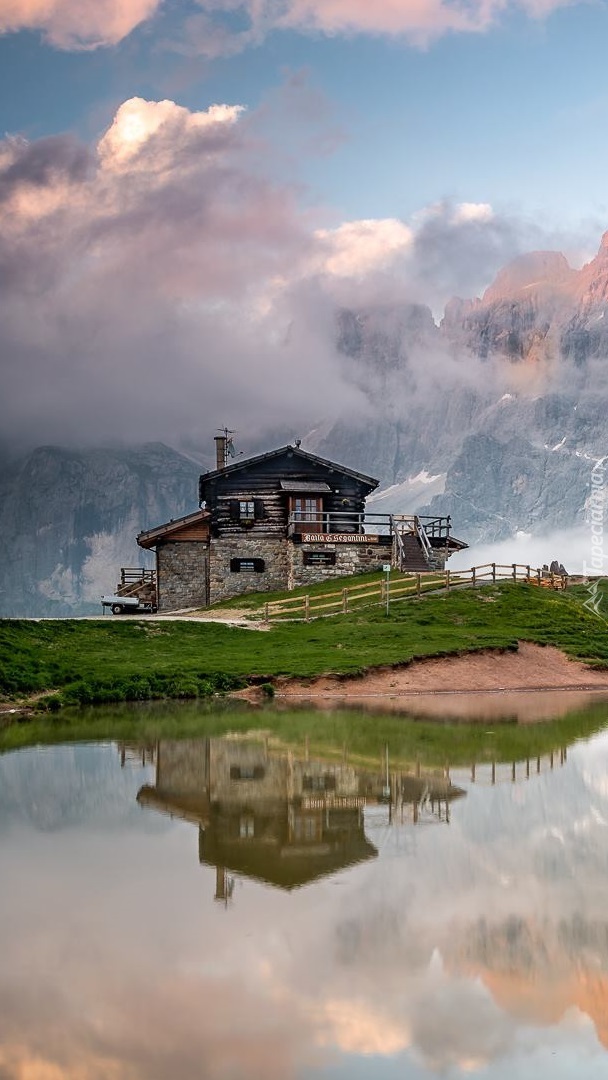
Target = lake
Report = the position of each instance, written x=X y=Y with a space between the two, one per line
x=330 y=897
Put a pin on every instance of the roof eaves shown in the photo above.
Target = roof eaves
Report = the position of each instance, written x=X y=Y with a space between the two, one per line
x=214 y=473
x=148 y=536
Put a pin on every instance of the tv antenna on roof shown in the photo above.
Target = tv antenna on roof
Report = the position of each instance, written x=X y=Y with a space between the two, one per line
x=224 y=446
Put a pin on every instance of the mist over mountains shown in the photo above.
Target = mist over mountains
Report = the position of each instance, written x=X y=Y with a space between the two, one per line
x=497 y=416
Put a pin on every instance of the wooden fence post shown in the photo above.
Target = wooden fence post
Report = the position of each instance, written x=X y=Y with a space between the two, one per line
x=345 y=601
x=514 y=565
x=447 y=580
x=539 y=575
x=418 y=585
x=473 y=574
x=266 y=612
x=307 y=607
x=494 y=572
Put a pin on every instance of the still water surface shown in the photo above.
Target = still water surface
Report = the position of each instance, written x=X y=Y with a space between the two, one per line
x=217 y=908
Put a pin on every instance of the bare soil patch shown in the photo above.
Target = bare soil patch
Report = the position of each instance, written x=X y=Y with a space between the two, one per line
x=494 y=684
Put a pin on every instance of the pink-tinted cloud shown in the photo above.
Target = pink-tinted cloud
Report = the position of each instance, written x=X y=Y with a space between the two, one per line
x=150 y=263
x=77 y=24
x=417 y=21
x=165 y=279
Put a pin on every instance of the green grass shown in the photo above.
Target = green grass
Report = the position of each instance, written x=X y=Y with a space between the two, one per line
x=255 y=601
x=360 y=736
x=113 y=660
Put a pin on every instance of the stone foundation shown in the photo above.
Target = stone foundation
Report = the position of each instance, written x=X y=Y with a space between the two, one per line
x=225 y=583
x=183 y=575
x=196 y=574
x=350 y=559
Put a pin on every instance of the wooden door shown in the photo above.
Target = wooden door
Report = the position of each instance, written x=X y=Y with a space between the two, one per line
x=307 y=513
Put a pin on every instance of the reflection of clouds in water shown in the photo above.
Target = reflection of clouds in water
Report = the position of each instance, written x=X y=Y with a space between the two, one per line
x=456 y=1023
x=357 y=1029
x=444 y=956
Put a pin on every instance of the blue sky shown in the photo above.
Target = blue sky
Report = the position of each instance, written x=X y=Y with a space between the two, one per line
x=206 y=180
x=514 y=116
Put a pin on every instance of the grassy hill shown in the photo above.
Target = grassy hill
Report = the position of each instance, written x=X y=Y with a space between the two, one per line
x=80 y=662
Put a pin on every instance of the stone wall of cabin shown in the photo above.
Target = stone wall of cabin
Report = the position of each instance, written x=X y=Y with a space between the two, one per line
x=183 y=574
x=182 y=767
x=225 y=583
x=228 y=757
x=438 y=558
x=350 y=559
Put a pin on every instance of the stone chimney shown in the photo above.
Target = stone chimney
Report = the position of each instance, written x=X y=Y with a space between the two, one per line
x=220 y=451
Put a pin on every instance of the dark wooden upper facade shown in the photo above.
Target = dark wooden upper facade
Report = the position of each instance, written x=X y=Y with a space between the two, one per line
x=285 y=492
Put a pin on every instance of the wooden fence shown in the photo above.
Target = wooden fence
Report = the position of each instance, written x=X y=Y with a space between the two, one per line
x=386 y=592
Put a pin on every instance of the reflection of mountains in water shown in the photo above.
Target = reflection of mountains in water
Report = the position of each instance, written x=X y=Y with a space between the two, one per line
x=279 y=818
x=539 y=968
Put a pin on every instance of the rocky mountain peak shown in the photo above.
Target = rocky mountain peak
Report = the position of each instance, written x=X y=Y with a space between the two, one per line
x=593 y=279
x=538 y=268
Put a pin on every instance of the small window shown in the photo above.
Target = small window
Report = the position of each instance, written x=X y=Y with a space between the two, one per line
x=246 y=509
x=247 y=828
x=319 y=782
x=319 y=558
x=247 y=566
x=247 y=772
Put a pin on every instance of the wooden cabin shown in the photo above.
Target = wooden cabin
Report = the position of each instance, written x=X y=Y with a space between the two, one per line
x=277 y=520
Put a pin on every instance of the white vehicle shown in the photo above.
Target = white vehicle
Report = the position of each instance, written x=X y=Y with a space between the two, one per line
x=127 y=605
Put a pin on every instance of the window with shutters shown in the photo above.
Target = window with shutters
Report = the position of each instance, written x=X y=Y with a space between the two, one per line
x=246 y=512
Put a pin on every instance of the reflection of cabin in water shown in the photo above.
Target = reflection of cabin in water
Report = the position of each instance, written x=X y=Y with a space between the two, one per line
x=282 y=519
x=269 y=815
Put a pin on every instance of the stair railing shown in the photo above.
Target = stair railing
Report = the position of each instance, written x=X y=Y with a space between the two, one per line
x=398 y=549
x=423 y=538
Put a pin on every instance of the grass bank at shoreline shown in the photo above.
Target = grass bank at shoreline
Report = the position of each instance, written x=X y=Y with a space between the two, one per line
x=73 y=662
x=340 y=734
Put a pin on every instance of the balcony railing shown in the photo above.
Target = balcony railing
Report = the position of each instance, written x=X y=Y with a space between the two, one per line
x=348 y=521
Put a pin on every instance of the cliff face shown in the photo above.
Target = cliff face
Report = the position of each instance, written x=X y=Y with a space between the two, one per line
x=500 y=410
x=69 y=521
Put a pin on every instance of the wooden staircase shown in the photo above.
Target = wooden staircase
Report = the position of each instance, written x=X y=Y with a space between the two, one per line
x=412 y=551
x=411 y=557
x=136 y=581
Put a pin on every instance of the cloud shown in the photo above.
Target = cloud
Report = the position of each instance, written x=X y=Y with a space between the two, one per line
x=164 y=281
x=137 y=282
x=217 y=27
x=77 y=24
x=419 y=22
x=143 y=134
x=358 y=247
